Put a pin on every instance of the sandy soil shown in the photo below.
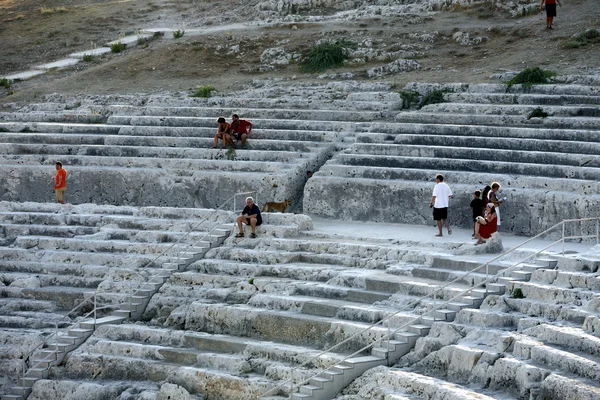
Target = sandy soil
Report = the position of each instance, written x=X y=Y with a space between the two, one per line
x=31 y=35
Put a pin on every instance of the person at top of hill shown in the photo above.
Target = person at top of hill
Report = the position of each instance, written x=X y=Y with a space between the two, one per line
x=223 y=133
x=550 y=11
x=60 y=182
x=241 y=128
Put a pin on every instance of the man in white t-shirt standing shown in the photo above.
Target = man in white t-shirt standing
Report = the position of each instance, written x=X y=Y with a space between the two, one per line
x=439 y=202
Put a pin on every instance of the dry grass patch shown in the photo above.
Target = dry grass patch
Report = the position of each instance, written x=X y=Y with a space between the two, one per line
x=55 y=10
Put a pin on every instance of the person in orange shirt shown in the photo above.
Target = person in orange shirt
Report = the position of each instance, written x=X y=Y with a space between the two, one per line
x=60 y=182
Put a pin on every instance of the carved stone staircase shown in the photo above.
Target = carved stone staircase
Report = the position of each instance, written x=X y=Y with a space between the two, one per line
x=56 y=351
x=329 y=383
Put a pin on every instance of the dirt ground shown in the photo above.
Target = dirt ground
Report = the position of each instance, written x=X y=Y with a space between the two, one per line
x=31 y=34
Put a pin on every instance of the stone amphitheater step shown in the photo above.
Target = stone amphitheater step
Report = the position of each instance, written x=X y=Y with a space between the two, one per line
x=88 y=141
x=159 y=131
x=513 y=163
x=591 y=123
x=141 y=350
x=253 y=114
x=396 y=384
x=558 y=89
x=12 y=230
x=281 y=326
x=522 y=98
x=510 y=109
x=445 y=151
x=380 y=132
x=282 y=156
x=75 y=117
x=209 y=132
x=566 y=351
x=59 y=127
x=475 y=178
x=530 y=145
x=288 y=124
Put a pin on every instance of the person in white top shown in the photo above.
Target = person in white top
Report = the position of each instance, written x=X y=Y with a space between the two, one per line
x=439 y=201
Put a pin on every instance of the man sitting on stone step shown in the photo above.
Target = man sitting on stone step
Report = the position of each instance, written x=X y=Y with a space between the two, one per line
x=241 y=129
x=250 y=216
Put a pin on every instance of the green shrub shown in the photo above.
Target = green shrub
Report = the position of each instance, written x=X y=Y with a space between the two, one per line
x=231 y=154
x=537 y=113
x=583 y=39
x=517 y=293
x=5 y=83
x=531 y=76
x=88 y=58
x=178 y=34
x=324 y=56
x=204 y=91
x=435 y=97
x=409 y=98
x=117 y=47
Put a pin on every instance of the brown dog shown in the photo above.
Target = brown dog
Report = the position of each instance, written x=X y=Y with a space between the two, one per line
x=273 y=206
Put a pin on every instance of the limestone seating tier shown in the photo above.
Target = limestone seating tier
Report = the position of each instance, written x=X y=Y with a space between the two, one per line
x=525 y=339
x=573 y=87
x=242 y=367
x=591 y=123
x=524 y=99
x=58 y=127
x=509 y=109
x=395 y=157
x=385 y=132
x=512 y=164
x=296 y=124
x=509 y=181
x=251 y=114
x=512 y=153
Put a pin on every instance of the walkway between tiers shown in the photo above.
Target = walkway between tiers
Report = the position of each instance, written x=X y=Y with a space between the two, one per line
x=426 y=235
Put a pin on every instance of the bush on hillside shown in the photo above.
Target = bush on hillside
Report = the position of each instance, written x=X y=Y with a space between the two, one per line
x=324 y=56
x=531 y=76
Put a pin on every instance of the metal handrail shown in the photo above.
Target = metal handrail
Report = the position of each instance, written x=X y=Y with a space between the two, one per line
x=433 y=293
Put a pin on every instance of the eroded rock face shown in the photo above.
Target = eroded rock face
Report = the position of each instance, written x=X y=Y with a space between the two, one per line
x=70 y=390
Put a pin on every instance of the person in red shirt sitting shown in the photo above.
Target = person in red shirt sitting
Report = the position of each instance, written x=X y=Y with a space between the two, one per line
x=241 y=128
x=487 y=224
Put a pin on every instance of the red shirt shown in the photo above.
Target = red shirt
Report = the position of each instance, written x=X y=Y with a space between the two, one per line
x=241 y=126
x=61 y=179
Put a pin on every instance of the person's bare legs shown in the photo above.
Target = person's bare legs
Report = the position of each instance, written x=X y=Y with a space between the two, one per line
x=447 y=226
x=253 y=224
x=216 y=141
x=477 y=235
x=243 y=140
x=439 y=224
x=239 y=223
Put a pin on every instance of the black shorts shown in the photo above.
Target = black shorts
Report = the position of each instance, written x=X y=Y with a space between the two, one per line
x=238 y=135
x=258 y=222
x=440 y=213
x=551 y=10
